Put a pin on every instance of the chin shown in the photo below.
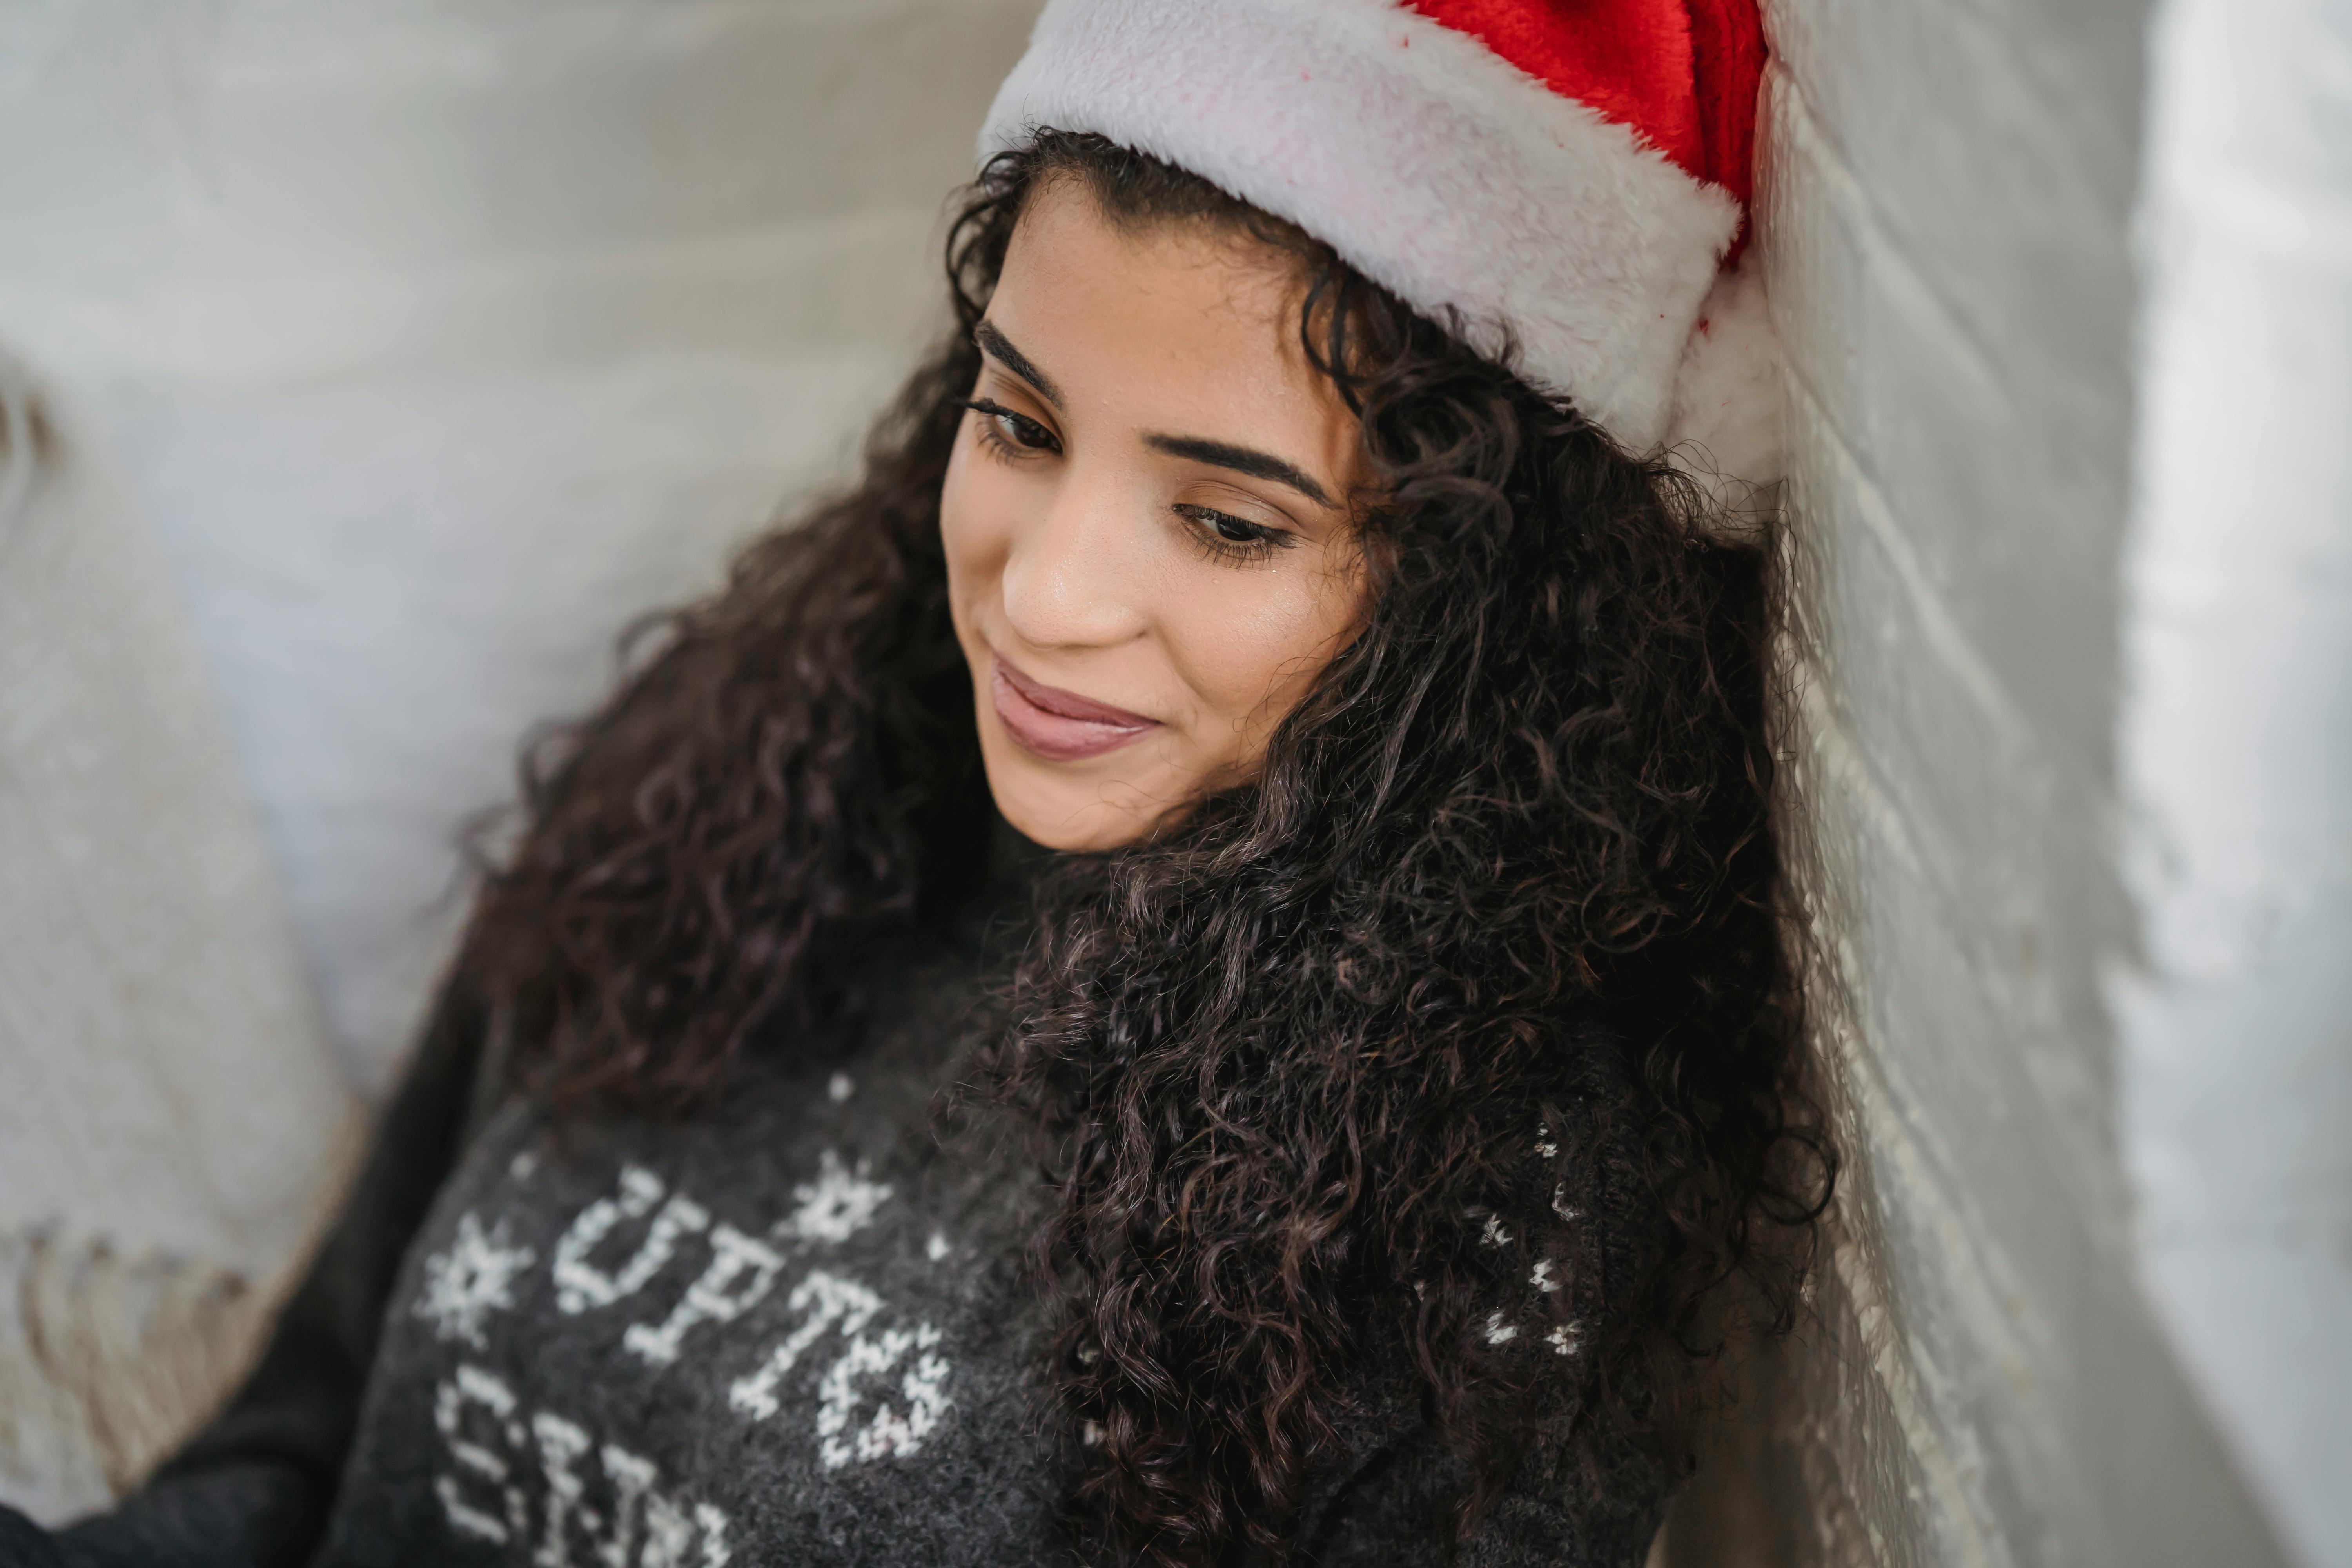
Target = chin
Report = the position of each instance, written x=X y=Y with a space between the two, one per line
x=1065 y=820
x=1066 y=814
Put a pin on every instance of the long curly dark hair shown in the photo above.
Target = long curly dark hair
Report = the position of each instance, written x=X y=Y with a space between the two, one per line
x=1476 y=1006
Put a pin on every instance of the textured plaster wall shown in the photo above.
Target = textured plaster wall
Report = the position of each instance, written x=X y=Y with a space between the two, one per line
x=2236 y=1024
x=1949 y=192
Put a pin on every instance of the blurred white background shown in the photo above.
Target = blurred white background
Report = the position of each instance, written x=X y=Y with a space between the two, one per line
x=438 y=339
x=413 y=347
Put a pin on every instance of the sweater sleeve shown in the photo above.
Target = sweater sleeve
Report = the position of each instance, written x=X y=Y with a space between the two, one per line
x=252 y=1489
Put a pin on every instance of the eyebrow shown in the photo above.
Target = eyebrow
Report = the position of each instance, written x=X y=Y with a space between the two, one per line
x=999 y=348
x=1247 y=460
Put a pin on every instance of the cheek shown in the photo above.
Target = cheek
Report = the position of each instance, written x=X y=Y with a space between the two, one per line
x=971 y=533
x=1251 y=650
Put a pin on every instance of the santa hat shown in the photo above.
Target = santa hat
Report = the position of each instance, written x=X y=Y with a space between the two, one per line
x=1574 y=172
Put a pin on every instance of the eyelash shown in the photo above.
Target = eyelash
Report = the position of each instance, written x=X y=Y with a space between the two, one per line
x=1261 y=543
x=1030 y=439
x=1018 y=447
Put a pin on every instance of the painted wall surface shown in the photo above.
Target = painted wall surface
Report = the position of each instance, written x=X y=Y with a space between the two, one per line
x=2236 y=1023
x=437 y=339
x=1948 y=194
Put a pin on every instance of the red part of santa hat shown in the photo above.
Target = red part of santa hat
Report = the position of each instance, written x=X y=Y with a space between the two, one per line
x=1682 y=73
x=1573 y=172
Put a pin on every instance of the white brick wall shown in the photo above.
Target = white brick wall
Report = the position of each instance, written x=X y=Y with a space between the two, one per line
x=1948 y=194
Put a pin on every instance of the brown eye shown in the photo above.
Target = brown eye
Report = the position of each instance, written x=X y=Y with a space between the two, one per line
x=1224 y=535
x=1017 y=430
x=1026 y=431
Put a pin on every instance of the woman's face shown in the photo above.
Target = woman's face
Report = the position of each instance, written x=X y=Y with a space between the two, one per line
x=1148 y=520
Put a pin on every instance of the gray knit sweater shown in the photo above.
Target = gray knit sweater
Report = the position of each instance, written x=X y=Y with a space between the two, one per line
x=790 y=1329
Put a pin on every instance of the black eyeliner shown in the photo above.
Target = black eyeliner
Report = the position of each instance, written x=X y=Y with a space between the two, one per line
x=988 y=409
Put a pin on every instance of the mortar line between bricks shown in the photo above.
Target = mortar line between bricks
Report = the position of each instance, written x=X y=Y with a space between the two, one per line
x=1807 y=123
x=1944 y=634
x=2085 y=139
x=1935 y=1189
x=1925 y=856
x=1928 y=1191
x=1913 y=832
x=1888 y=1354
x=1839 y=758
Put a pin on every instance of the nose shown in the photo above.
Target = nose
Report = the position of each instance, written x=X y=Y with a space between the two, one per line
x=1075 y=576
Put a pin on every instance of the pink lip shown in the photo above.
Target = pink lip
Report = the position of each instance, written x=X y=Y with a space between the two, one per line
x=1058 y=725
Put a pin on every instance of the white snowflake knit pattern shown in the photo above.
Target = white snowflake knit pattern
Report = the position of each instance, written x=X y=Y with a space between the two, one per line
x=469 y=1280
x=838 y=1204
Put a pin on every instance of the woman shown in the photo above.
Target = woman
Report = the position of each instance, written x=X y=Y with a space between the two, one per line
x=1190 y=975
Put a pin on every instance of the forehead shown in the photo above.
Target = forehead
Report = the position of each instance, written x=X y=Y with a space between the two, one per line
x=1064 y=223
x=1177 y=314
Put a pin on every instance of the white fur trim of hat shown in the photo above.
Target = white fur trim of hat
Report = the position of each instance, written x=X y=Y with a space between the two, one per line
x=1464 y=184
